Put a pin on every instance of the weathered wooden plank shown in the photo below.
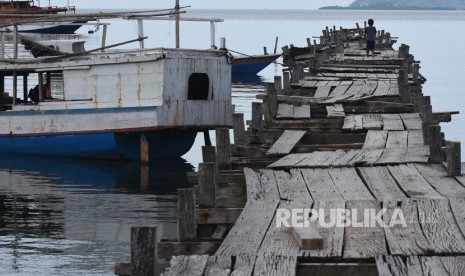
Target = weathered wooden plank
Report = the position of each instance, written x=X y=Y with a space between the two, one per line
x=320 y=185
x=339 y=91
x=390 y=266
x=336 y=110
x=302 y=112
x=308 y=238
x=415 y=138
x=376 y=139
x=382 y=90
x=286 y=142
x=294 y=194
x=437 y=177
x=363 y=242
x=439 y=226
x=247 y=234
x=333 y=236
x=144 y=253
x=392 y=122
x=349 y=184
x=291 y=160
x=416 y=155
x=322 y=91
x=381 y=183
x=412 y=183
x=455 y=266
x=366 y=157
x=412 y=121
x=353 y=122
x=458 y=209
x=275 y=265
x=218 y=215
x=187 y=265
x=285 y=111
x=372 y=121
x=392 y=156
x=404 y=238
x=397 y=139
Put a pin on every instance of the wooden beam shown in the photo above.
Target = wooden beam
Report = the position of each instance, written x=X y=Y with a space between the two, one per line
x=308 y=238
x=144 y=257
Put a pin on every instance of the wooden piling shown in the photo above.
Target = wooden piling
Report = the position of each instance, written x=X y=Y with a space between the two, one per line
x=435 y=144
x=223 y=149
x=416 y=72
x=144 y=149
x=209 y=154
x=286 y=81
x=144 y=256
x=454 y=162
x=187 y=225
x=273 y=99
x=207 y=184
x=257 y=118
x=239 y=128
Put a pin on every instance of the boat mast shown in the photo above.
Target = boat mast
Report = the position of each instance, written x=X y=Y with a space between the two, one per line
x=177 y=23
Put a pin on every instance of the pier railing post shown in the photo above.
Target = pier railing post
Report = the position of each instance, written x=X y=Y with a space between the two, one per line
x=144 y=251
x=454 y=162
x=435 y=144
x=209 y=154
x=272 y=100
x=187 y=225
x=404 y=89
x=416 y=72
x=207 y=184
x=257 y=118
x=223 y=149
x=286 y=80
x=239 y=129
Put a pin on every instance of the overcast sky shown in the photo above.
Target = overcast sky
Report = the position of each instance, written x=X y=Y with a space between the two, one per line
x=201 y=4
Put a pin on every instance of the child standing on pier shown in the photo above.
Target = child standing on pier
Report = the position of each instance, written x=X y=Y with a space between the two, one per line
x=370 y=35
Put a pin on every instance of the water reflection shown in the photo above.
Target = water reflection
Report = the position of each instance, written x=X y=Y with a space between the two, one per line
x=76 y=215
x=238 y=79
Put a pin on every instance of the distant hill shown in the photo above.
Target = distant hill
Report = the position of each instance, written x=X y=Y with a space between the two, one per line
x=404 y=5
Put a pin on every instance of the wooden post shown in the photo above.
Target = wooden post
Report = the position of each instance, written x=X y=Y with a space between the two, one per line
x=223 y=149
x=209 y=154
x=207 y=185
x=416 y=72
x=257 y=118
x=144 y=149
x=402 y=81
x=278 y=85
x=273 y=99
x=25 y=87
x=454 y=161
x=144 y=255
x=104 y=37
x=239 y=128
x=177 y=8
x=2 y=45
x=187 y=225
x=41 y=87
x=286 y=81
x=222 y=43
x=435 y=144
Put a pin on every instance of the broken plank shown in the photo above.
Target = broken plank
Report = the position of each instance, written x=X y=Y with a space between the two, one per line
x=308 y=238
x=286 y=142
x=322 y=91
x=321 y=185
x=336 y=110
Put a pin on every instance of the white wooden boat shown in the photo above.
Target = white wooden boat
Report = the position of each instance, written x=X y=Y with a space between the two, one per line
x=104 y=103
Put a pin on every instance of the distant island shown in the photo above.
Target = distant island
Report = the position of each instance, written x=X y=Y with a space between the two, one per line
x=401 y=5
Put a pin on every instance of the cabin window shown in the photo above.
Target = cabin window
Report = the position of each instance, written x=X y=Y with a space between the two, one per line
x=199 y=85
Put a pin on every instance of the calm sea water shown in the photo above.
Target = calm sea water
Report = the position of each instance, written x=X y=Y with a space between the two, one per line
x=70 y=217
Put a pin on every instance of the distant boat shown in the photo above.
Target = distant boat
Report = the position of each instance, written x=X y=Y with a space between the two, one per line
x=21 y=11
x=252 y=65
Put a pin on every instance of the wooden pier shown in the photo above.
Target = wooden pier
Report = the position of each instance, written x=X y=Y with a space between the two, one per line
x=338 y=131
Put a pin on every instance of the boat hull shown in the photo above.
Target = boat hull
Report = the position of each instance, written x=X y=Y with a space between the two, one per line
x=51 y=29
x=252 y=65
x=162 y=144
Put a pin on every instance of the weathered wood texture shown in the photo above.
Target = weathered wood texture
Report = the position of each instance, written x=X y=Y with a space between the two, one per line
x=144 y=257
x=286 y=142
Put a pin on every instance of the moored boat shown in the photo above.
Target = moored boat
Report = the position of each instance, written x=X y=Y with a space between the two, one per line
x=22 y=10
x=252 y=64
x=110 y=102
